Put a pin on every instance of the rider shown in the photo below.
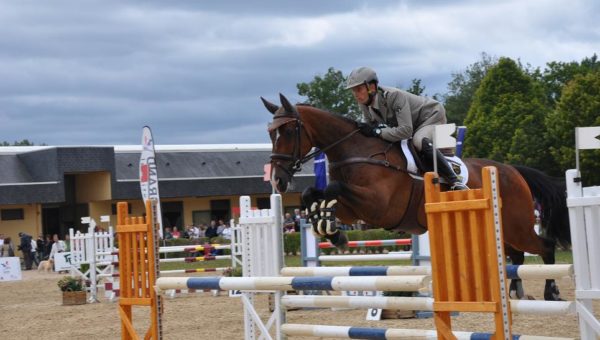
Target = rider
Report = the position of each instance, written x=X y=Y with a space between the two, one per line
x=392 y=114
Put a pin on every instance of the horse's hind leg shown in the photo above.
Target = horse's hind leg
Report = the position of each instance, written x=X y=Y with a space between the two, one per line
x=545 y=249
x=516 y=285
x=551 y=292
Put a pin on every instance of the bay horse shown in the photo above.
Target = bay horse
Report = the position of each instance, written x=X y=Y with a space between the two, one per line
x=369 y=181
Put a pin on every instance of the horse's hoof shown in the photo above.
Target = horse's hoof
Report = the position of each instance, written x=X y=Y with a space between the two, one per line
x=339 y=240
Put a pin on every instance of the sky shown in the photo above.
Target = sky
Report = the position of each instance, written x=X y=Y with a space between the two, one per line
x=95 y=72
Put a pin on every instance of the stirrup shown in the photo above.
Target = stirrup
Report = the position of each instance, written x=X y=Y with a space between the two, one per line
x=458 y=185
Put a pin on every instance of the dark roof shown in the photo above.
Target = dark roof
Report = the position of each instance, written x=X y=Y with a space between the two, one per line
x=36 y=175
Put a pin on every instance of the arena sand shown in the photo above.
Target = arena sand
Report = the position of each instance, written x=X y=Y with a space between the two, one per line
x=31 y=309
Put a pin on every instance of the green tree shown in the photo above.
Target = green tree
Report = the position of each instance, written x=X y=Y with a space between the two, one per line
x=328 y=92
x=557 y=74
x=579 y=106
x=416 y=87
x=506 y=118
x=24 y=142
x=463 y=86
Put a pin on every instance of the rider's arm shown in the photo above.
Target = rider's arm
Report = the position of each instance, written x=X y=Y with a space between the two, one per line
x=398 y=103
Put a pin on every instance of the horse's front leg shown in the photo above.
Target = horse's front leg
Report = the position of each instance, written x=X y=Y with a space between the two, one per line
x=320 y=206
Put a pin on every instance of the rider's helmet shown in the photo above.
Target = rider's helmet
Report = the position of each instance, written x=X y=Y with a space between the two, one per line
x=361 y=75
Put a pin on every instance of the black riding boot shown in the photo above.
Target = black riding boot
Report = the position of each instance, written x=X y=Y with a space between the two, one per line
x=444 y=169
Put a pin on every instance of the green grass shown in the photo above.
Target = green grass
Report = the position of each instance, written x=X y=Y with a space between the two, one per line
x=562 y=256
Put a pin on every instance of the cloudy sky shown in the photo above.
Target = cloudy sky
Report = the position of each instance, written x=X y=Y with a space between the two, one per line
x=94 y=72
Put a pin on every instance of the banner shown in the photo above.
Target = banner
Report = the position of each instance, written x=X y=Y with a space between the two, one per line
x=320 y=169
x=149 y=174
x=10 y=269
x=62 y=262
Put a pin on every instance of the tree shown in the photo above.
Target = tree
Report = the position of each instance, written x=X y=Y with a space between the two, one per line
x=579 y=106
x=328 y=92
x=416 y=87
x=24 y=142
x=463 y=86
x=506 y=118
x=557 y=74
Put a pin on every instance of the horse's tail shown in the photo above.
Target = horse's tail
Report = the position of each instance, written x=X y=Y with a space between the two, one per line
x=550 y=193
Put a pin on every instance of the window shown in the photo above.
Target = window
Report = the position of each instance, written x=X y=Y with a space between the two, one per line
x=12 y=214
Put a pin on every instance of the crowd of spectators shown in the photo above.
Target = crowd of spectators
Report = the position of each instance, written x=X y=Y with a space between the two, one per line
x=216 y=228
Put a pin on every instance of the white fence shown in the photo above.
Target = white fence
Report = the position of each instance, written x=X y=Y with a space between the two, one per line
x=584 y=218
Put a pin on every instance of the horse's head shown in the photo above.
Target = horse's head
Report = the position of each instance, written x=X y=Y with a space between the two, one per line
x=290 y=143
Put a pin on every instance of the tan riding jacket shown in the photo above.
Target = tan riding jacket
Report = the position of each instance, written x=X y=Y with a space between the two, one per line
x=403 y=112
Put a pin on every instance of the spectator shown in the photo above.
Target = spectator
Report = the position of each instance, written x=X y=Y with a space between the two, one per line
x=176 y=234
x=220 y=227
x=288 y=224
x=7 y=249
x=58 y=246
x=25 y=248
x=211 y=231
x=168 y=235
x=48 y=246
x=40 y=247
x=34 y=257
x=296 y=219
x=226 y=233
x=194 y=232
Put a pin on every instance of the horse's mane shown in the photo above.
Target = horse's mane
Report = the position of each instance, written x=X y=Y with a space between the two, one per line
x=334 y=114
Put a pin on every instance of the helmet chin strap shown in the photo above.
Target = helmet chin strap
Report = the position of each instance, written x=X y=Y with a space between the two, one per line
x=371 y=94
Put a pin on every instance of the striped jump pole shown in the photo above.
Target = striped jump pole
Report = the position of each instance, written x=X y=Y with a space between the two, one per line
x=370 y=243
x=194 y=270
x=176 y=249
x=389 y=333
x=532 y=307
x=276 y=283
x=197 y=259
x=401 y=255
x=525 y=271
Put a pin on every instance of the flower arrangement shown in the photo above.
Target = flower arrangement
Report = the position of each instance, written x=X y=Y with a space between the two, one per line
x=70 y=284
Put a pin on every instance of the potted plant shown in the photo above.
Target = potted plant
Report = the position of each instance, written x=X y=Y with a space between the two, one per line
x=73 y=290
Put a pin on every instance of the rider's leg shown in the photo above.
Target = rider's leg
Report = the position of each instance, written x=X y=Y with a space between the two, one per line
x=444 y=169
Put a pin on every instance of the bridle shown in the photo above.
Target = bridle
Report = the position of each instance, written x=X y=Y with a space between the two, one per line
x=296 y=159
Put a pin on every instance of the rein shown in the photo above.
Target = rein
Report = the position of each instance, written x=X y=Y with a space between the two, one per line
x=371 y=160
x=297 y=160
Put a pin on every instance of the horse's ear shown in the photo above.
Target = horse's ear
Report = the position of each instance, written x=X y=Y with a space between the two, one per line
x=287 y=105
x=270 y=106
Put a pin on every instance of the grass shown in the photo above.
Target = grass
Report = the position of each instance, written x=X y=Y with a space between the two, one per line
x=562 y=256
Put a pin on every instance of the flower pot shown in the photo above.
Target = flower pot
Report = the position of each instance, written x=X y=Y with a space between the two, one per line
x=74 y=298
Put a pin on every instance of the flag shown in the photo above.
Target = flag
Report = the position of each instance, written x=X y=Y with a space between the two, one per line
x=149 y=174
x=320 y=171
x=588 y=137
x=460 y=138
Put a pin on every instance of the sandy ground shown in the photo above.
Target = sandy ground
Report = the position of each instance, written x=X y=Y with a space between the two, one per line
x=31 y=309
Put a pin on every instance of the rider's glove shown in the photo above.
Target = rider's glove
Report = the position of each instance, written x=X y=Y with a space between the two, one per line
x=369 y=130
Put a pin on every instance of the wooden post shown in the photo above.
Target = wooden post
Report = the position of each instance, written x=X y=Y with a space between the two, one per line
x=466 y=259
x=138 y=271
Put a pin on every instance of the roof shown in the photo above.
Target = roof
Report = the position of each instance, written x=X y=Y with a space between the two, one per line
x=37 y=174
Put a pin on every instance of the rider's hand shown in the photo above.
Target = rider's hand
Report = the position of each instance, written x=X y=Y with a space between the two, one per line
x=368 y=129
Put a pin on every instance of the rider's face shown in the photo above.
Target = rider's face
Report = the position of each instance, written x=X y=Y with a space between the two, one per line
x=361 y=94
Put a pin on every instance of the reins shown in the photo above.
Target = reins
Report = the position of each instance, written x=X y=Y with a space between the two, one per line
x=297 y=160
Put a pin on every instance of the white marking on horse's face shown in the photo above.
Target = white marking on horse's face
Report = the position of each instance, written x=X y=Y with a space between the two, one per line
x=277 y=135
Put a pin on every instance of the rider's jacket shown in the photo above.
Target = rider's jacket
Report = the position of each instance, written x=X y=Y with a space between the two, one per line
x=403 y=112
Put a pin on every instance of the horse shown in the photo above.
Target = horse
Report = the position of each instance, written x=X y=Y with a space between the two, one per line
x=369 y=181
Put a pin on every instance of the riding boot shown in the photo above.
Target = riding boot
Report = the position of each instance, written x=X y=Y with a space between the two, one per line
x=444 y=169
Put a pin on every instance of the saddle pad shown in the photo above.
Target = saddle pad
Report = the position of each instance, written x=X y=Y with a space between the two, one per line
x=456 y=163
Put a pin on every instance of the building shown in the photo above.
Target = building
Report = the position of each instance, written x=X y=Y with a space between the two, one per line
x=47 y=189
